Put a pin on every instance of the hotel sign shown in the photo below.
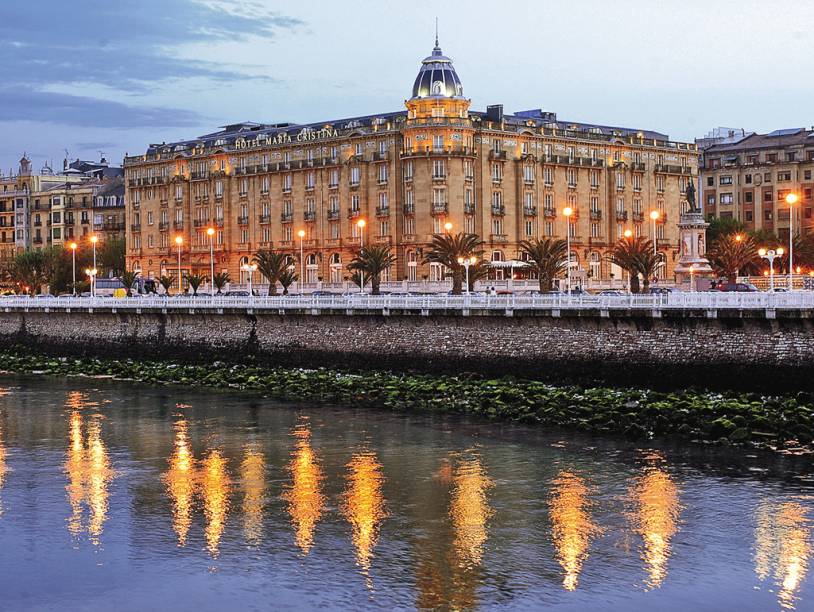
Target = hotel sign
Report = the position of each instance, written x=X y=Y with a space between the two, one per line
x=304 y=135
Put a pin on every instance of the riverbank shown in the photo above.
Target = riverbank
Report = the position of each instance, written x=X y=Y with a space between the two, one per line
x=775 y=422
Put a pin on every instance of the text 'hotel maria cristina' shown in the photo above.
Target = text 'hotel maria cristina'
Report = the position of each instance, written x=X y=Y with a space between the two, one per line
x=504 y=177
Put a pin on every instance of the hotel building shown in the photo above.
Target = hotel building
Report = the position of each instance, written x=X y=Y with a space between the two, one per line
x=506 y=177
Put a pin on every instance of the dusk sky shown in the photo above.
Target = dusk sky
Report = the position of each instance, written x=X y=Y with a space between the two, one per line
x=112 y=76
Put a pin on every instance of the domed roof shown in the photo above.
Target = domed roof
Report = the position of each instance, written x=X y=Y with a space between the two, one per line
x=437 y=77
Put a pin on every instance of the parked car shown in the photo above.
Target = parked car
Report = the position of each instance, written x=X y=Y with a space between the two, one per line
x=662 y=290
x=615 y=292
x=738 y=287
x=236 y=293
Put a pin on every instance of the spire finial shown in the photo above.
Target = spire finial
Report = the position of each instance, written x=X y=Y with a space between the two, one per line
x=436 y=32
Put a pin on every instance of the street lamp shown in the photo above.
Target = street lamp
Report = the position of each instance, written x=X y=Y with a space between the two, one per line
x=250 y=268
x=301 y=234
x=771 y=255
x=791 y=200
x=210 y=231
x=448 y=227
x=654 y=216
x=568 y=211
x=73 y=246
x=466 y=262
x=91 y=272
x=361 y=225
x=93 y=240
x=179 y=240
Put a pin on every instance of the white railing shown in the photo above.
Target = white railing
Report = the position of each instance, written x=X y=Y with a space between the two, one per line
x=365 y=302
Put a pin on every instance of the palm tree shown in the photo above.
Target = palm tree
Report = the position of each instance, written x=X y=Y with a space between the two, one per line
x=548 y=257
x=446 y=249
x=477 y=271
x=167 y=281
x=129 y=279
x=220 y=280
x=636 y=256
x=195 y=281
x=732 y=253
x=272 y=265
x=373 y=261
x=287 y=278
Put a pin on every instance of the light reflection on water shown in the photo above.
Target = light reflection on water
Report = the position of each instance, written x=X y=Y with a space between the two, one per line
x=571 y=525
x=316 y=506
x=656 y=518
x=304 y=494
x=783 y=546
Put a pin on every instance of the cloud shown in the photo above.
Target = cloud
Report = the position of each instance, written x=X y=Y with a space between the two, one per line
x=129 y=47
x=48 y=107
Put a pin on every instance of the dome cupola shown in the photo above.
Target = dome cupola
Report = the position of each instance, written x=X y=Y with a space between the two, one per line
x=437 y=77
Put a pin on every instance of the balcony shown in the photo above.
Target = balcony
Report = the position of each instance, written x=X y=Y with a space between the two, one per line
x=264 y=219
x=219 y=222
x=164 y=203
x=409 y=209
x=381 y=156
x=501 y=238
x=333 y=242
x=287 y=217
x=428 y=151
x=637 y=166
x=200 y=222
x=179 y=225
x=333 y=185
x=498 y=155
x=668 y=169
x=135 y=227
x=638 y=216
x=286 y=189
x=498 y=210
x=530 y=211
x=309 y=216
x=469 y=209
x=596 y=215
x=382 y=240
x=333 y=215
x=439 y=177
x=621 y=215
x=195 y=176
x=353 y=213
x=243 y=194
x=549 y=213
x=439 y=208
x=382 y=211
x=163 y=226
x=309 y=187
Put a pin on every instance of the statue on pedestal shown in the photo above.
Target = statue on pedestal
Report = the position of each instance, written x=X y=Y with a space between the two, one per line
x=692 y=230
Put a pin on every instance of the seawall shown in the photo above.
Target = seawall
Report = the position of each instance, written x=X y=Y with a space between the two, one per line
x=678 y=350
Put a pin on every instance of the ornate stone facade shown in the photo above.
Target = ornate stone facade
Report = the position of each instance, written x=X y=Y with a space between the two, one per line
x=505 y=177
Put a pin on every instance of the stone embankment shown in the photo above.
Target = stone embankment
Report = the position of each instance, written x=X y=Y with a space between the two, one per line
x=670 y=351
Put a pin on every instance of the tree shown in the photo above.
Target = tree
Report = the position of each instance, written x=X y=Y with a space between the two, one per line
x=548 y=257
x=110 y=256
x=195 y=281
x=477 y=271
x=220 y=280
x=636 y=256
x=272 y=265
x=29 y=270
x=732 y=253
x=446 y=249
x=129 y=279
x=287 y=278
x=373 y=261
x=167 y=281
x=721 y=226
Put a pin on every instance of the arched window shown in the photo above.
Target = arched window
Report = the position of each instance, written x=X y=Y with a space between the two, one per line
x=244 y=274
x=412 y=266
x=311 y=268
x=336 y=268
x=596 y=266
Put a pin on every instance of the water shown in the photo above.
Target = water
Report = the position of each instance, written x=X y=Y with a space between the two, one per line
x=117 y=496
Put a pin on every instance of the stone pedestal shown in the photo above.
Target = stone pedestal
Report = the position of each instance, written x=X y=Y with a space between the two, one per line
x=692 y=263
